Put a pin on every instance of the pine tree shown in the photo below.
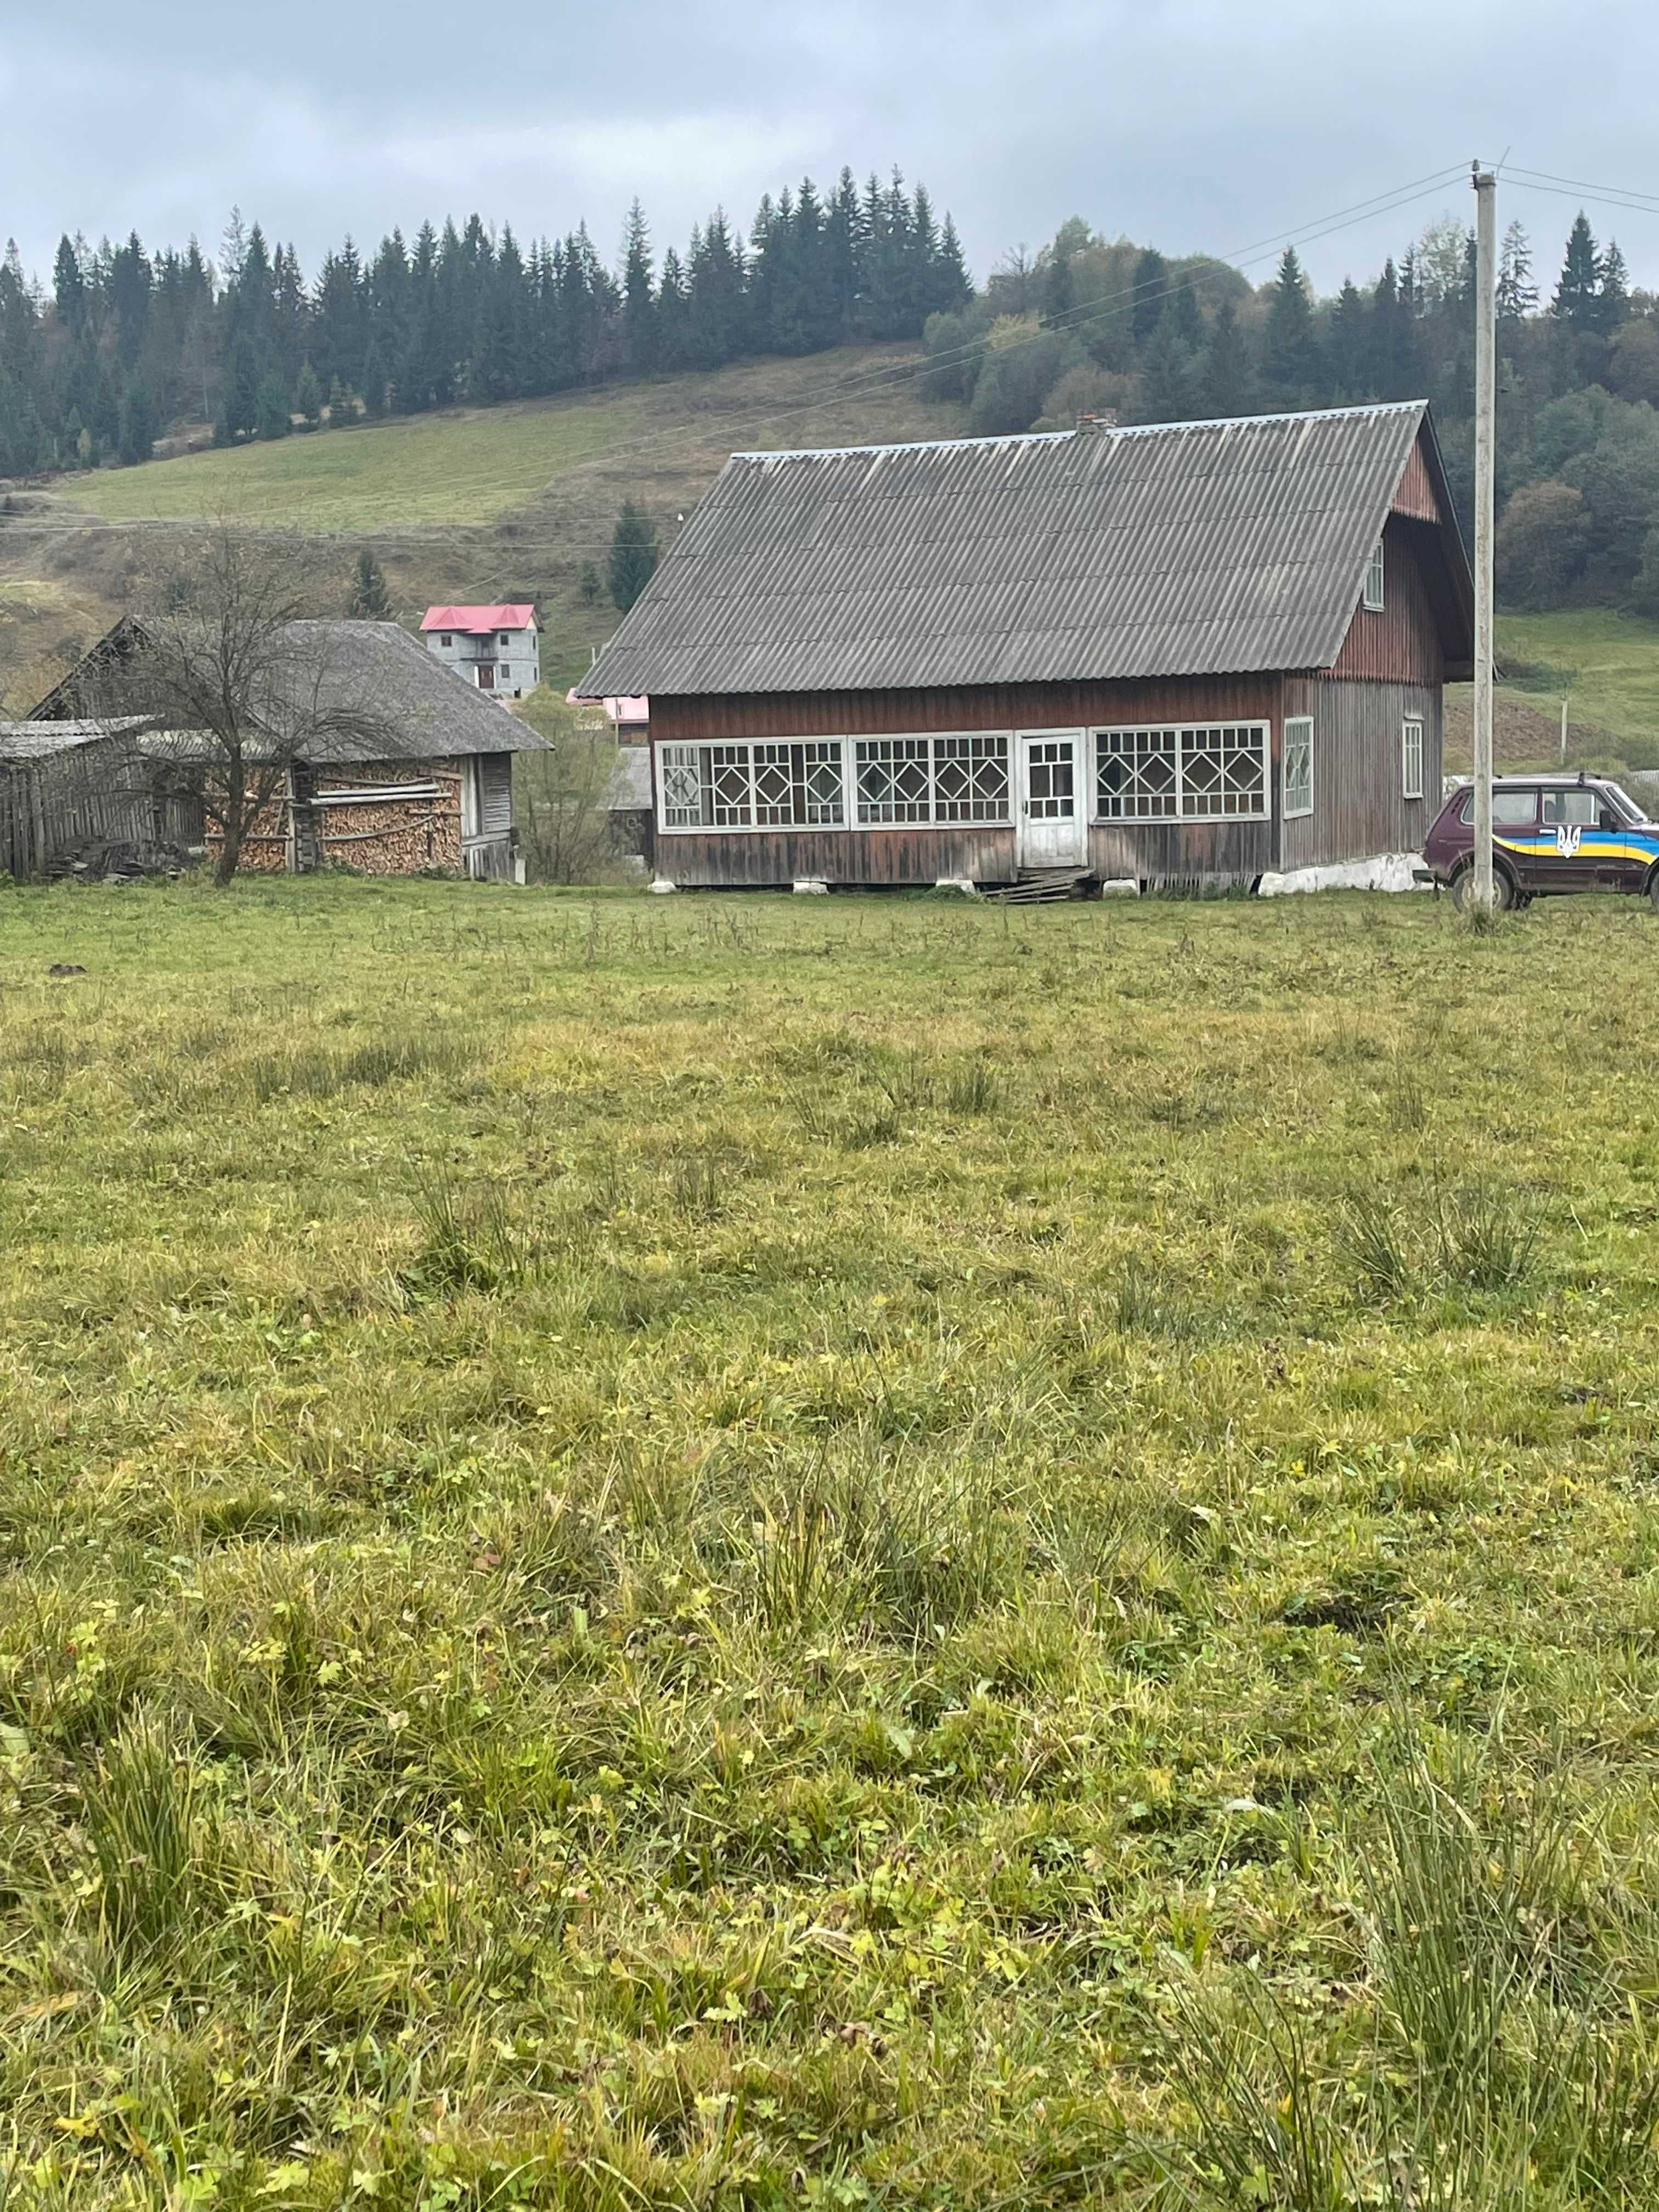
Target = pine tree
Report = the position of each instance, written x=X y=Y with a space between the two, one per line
x=587 y=585
x=370 y=601
x=308 y=397
x=1575 y=302
x=341 y=407
x=633 y=555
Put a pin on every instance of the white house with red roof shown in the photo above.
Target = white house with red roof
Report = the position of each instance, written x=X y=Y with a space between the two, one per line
x=497 y=647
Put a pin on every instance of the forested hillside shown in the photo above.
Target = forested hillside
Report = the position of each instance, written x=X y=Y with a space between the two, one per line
x=125 y=345
x=126 y=342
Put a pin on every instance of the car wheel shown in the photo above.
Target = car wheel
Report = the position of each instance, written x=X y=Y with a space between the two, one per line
x=1462 y=890
x=1653 y=889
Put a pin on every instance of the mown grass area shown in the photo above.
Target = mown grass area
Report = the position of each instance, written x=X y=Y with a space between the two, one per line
x=467 y=465
x=759 y=1553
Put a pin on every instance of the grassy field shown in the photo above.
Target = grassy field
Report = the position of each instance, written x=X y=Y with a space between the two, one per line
x=1612 y=660
x=469 y=465
x=714 y=1554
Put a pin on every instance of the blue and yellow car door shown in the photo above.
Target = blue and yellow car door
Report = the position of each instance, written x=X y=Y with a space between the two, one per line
x=1587 y=847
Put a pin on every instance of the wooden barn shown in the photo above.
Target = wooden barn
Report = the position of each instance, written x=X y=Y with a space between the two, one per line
x=81 y=797
x=434 y=792
x=1198 y=653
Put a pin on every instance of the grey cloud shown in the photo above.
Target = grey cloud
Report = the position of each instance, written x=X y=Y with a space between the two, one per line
x=1187 y=123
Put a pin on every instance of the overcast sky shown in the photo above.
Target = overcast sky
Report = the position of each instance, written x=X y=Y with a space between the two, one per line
x=1188 y=124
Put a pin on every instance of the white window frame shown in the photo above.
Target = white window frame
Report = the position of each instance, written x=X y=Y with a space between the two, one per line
x=952 y=812
x=1296 y=800
x=1411 y=756
x=1186 y=810
x=1375 y=592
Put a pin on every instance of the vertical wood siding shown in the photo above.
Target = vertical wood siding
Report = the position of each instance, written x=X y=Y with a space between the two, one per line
x=1401 y=644
x=101 y=793
x=1359 y=807
x=1415 y=495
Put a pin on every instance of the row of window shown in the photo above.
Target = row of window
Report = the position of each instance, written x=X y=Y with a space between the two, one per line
x=1200 y=772
x=958 y=778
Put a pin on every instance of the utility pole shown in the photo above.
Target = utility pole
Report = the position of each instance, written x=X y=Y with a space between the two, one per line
x=1564 y=729
x=1485 y=385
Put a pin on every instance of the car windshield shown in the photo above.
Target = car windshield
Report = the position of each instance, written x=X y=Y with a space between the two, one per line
x=1625 y=803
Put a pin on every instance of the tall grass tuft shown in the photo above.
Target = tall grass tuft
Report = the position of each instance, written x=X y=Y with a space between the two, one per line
x=139 y=1810
x=468 y=1241
x=1494 y=2063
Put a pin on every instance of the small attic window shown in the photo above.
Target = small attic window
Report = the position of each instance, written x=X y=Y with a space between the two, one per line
x=1373 y=599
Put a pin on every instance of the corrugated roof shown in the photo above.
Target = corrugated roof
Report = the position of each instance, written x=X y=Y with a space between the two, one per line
x=34 y=741
x=470 y=621
x=1168 y=550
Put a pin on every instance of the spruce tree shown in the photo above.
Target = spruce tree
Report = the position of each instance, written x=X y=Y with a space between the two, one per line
x=1150 y=280
x=639 y=301
x=370 y=601
x=1227 y=380
x=1516 y=294
x=1577 y=291
x=1168 y=389
x=1292 y=355
x=1612 y=290
x=374 y=394
x=341 y=407
x=633 y=555
x=272 y=419
x=137 y=439
x=308 y=397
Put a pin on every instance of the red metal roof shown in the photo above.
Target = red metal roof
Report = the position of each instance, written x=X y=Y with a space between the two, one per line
x=472 y=621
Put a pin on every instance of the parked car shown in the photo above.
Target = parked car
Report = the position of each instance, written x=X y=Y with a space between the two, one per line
x=1549 y=834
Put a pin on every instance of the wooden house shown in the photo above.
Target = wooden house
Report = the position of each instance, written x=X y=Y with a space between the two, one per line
x=1197 y=653
x=432 y=790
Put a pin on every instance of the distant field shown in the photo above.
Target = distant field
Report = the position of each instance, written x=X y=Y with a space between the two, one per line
x=676 y=1555
x=469 y=465
x=1617 y=659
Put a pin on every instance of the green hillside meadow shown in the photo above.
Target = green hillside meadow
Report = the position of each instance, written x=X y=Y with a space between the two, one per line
x=676 y=1553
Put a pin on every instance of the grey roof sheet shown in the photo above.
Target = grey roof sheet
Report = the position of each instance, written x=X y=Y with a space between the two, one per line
x=430 y=710
x=34 y=741
x=1181 y=549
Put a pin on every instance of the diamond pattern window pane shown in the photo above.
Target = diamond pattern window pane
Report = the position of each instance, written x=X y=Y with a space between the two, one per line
x=970 y=777
x=1137 y=775
x=893 y=779
x=774 y=786
x=1223 y=773
x=731 y=807
x=822 y=801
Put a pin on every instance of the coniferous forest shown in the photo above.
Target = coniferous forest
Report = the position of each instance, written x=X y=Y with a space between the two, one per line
x=125 y=342
x=125 y=345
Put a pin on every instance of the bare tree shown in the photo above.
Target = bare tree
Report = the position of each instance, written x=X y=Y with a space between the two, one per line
x=562 y=796
x=247 y=688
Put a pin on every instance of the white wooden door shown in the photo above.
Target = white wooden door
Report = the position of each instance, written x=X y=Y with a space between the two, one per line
x=1053 y=828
